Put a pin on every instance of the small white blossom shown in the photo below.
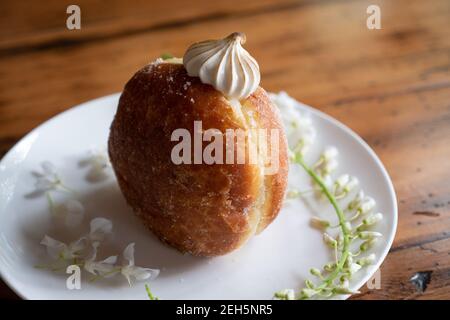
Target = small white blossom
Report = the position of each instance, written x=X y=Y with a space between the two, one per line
x=348 y=261
x=286 y=294
x=370 y=259
x=315 y=272
x=131 y=271
x=104 y=267
x=342 y=181
x=59 y=250
x=365 y=235
x=330 y=153
x=47 y=179
x=352 y=184
x=318 y=223
x=300 y=131
x=326 y=167
x=367 y=244
x=308 y=292
x=99 y=229
x=367 y=205
x=343 y=290
x=329 y=240
x=354 y=267
x=373 y=219
x=330 y=266
x=356 y=202
x=344 y=184
x=344 y=282
x=327 y=162
x=347 y=225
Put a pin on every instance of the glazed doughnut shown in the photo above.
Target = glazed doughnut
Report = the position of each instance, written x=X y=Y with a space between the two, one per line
x=203 y=209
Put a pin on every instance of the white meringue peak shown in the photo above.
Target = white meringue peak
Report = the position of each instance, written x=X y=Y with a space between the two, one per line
x=225 y=65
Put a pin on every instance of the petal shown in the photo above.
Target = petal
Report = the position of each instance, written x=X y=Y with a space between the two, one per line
x=100 y=227
x=89 y=266
x=54 y=247
x=125 y=271
x=144 y=273
x=110 y=260
x=76 y=246
x=128 y=254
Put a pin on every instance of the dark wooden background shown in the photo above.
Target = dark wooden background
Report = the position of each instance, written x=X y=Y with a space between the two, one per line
x=392 y=86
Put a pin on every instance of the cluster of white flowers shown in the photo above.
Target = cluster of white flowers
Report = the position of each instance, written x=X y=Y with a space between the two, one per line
x=299 y=129
x=83 y=251
x=70 y=210
x=355 y=218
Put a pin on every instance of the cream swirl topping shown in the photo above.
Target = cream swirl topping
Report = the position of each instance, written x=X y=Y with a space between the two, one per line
x=225 y=65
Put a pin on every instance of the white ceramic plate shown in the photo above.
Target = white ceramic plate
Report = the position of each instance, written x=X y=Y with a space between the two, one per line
x=278 y=258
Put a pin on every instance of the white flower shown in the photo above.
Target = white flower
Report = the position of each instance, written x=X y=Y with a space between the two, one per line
x=47 y=179
x=286 y=294
x=344 y=282
x=300 y=131
x=367 y=205
x=352 y=184
x=354 y=267
x=318 y=223
x=315 y=272
x=344 y=290
x=373 y=219
x=367 y=244
x=330 y=266
x=330 y=153
x=131 y=271
x=72 y=211
x=100 y=227
x=370 y=259
x=356 y=202
x=344 y=184
x=104 y=267
x=347 y=225
x=59 y=250
x=329 y=240
x=365 y=235
x=327 y=162
x=342 y=181
x=308 y=292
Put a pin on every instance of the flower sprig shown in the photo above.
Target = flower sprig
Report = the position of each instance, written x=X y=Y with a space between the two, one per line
x=83 y=252
x=48 y=181
x=78 y=253
x=354 y=220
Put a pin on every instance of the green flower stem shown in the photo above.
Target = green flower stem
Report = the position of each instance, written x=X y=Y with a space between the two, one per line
x=342 y=223
x=149 y=293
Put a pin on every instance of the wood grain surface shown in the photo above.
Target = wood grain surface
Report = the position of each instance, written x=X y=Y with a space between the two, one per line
x=391 y=86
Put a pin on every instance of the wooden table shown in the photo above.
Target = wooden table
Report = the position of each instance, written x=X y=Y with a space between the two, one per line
x=391 y=86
